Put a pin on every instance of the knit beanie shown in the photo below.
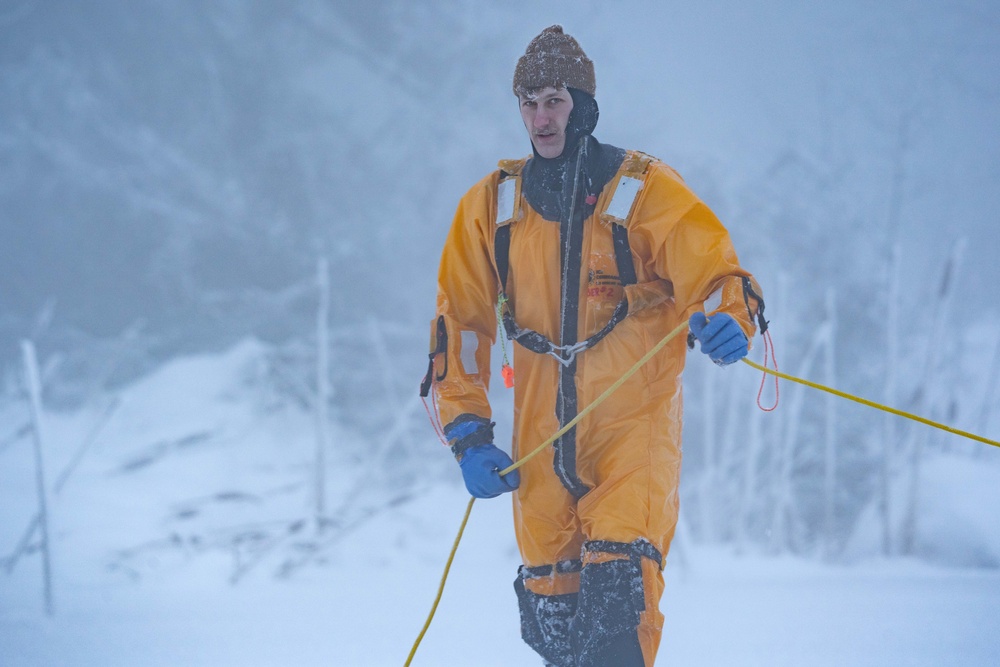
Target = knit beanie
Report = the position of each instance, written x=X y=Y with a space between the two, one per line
x=555 y=59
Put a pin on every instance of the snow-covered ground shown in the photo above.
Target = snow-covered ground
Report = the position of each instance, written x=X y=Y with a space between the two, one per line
x=182 y=538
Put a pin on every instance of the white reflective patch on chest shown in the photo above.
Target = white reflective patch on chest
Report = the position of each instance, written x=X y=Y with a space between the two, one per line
x=470 y=345
x=506 y=198
x=624 y=197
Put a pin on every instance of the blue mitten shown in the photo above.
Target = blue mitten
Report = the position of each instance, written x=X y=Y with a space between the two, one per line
x=481 y=466
x=721 y=337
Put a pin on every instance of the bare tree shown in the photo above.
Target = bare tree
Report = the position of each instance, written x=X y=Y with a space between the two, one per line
x=33 y=378
x=927 y=399
x=830 y=432
x=323 y=388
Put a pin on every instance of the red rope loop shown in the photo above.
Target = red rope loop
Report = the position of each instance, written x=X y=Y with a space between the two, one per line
x=768 y=345
x=435 y=417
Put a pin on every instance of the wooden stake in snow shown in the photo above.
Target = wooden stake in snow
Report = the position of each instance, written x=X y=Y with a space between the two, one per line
x=830 y=430
x=892 y=361
x=323 y=389
x=35 y=398
x=930 y=398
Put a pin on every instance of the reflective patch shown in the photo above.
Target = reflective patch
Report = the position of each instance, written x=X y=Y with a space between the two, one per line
x=470 y=345
x=506 y=199
x=624 y=197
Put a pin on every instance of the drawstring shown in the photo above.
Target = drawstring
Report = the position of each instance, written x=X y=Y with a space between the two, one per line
x=506 y=370
x=435 y=417
x=768 y=345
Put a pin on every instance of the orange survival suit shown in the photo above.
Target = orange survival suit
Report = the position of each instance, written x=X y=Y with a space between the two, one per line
x=595 y=516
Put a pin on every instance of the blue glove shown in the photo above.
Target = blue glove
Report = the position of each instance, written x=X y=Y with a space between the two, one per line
x=481 y=466
x=721 y=337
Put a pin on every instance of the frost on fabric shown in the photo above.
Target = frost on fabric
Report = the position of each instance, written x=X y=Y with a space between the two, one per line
x=546 y=624
x=611 y=598
x=571 y=629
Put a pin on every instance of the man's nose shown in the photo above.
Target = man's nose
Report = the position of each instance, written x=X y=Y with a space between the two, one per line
x=541 y=118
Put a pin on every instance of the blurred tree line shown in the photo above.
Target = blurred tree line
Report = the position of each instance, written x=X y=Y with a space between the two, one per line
x=171 y=172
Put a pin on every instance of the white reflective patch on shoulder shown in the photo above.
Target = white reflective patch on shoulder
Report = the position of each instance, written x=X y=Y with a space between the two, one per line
x=506 y=195
x=470 y=345
x=622 y=200
x=714 y=301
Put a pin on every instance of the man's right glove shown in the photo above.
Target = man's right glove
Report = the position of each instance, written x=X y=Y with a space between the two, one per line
x=481 y=466
x=721 y=337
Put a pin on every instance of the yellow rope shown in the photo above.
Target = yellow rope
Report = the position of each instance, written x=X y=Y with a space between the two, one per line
x=573 y=422
x=612 y=389
x=871 y=404
x=444 y=578
x=600 y=399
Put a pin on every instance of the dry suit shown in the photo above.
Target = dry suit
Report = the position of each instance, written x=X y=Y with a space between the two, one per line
x=599 y=255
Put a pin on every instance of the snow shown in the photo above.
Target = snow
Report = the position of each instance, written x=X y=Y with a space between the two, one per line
x=956 y=526
x=221 y=146
x=150 y=569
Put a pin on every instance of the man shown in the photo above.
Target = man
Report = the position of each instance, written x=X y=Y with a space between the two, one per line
x=593 y=254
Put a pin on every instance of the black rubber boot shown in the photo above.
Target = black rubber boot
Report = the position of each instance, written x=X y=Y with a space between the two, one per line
x=605 y=630
x=546 y=622
x=623 y=650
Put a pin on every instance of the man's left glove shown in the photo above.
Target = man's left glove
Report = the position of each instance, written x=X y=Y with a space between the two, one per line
x=481 y=466
x=721 y=337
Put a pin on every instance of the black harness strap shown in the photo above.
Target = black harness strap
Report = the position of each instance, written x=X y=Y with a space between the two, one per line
x=570 y=260
x=634 y=550
x=501 y=250
x=540 y=571
x=440 y=348
x=623 y=254
x=748 y=292
x=539 y=343
x=571 y=236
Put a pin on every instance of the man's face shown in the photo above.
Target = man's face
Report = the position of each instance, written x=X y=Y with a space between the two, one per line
x=545 y=114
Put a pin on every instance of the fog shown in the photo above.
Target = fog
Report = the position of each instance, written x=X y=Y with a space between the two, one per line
x=173 y=173
x=168 y=163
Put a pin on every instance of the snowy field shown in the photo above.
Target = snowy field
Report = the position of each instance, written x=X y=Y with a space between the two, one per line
x=172 y=169
x=367 y=605
x=182 y=538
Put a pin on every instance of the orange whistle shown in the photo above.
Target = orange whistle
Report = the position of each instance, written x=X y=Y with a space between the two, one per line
x=508 y=376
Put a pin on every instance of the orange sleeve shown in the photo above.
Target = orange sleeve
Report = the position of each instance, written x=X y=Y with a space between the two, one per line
x=466 y=307
x=677 y=237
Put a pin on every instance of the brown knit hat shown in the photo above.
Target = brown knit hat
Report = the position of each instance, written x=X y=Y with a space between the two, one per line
x=554 y=59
